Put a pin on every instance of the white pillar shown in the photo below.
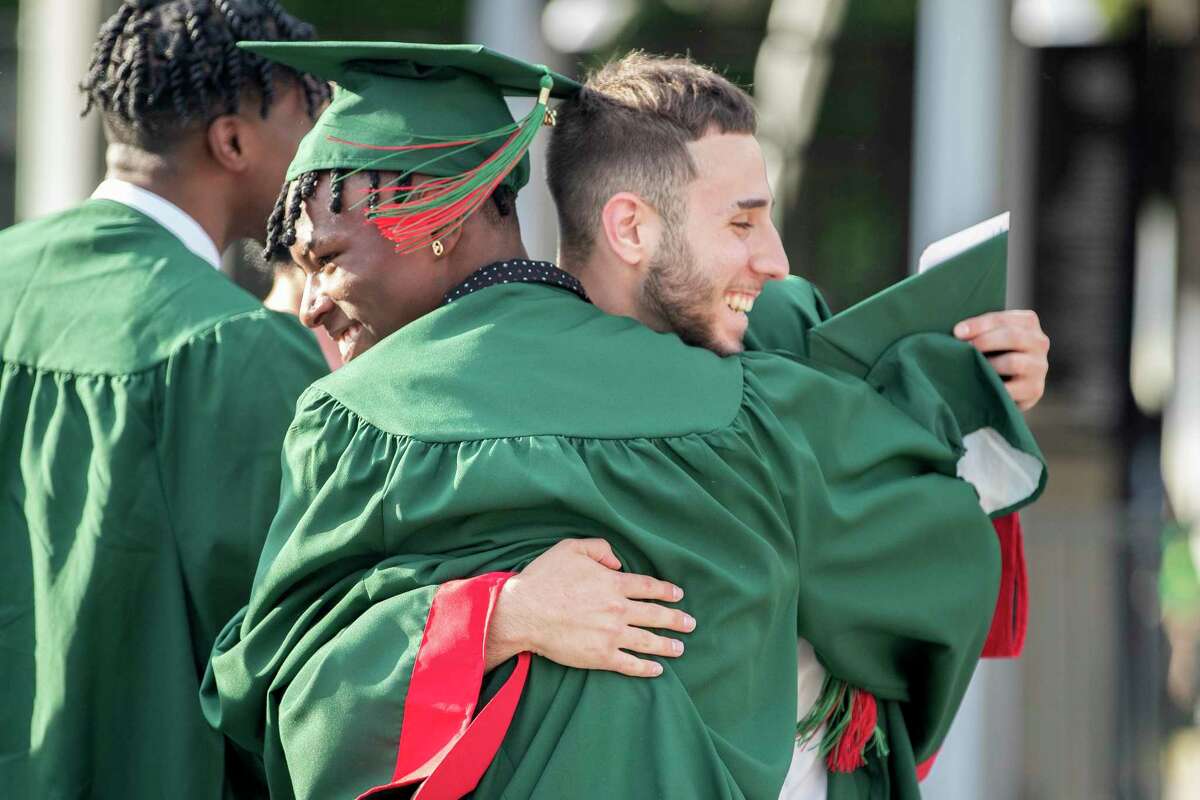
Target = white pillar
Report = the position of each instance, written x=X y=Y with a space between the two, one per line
x=514 y=27
x=957 y=143
x=790 y=75
x=59 y=155
x=957 y=156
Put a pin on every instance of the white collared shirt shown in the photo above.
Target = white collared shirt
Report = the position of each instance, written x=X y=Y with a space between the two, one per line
x=165 y=213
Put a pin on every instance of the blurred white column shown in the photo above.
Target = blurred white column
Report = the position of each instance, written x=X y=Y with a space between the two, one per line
x=790 y=75
x=1181 y=424
x=957 y=158
x=514 y=27
x=59 y=156
x=959 y=97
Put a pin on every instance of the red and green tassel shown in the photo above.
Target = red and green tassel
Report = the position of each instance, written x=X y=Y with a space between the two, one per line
x=414 y=216
x=851 y=721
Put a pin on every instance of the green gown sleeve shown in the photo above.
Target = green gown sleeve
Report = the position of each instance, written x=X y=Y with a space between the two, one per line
x=316 y=676
x=897 y=604
x=946 y=386
x=951 y=390
x=783 y=314
x=225 y=402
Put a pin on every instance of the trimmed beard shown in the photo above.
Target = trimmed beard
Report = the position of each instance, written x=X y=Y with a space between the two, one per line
x=679 y=295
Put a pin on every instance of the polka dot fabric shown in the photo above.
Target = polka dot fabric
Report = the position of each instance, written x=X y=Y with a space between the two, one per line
x=517 y=271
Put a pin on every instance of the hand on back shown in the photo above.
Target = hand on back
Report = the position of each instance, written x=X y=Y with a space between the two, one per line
x=573 y=606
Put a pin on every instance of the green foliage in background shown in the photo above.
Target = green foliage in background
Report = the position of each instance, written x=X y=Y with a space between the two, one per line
x=1179 y=582
x=723 y=35
x=878 y=19
x=1119 y=13
x=442 y=21
x=846 y=227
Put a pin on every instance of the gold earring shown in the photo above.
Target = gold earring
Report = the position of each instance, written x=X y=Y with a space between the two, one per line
x=437 y=248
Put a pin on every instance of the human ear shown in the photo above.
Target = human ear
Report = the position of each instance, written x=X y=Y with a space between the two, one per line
x=443 y=246
x=630 y=227
x=449 y=241
x=229 y=140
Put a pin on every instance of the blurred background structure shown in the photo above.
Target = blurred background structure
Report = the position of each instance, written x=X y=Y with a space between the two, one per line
x=888 y=124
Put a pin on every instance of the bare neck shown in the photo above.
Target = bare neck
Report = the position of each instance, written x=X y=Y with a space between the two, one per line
x=198 y=195
x=612 y=287
x=484 y=244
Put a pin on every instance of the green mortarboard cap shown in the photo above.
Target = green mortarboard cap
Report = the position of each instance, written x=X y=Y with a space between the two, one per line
x=437 y=110
x=968 y=279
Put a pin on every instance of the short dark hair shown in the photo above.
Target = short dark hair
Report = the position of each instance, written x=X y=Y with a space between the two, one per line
x=162 y=67
x=628 y=130
x=281 y=225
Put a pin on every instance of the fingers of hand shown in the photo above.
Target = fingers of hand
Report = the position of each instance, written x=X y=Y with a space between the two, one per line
x=639 y=640
x=1010 y=338
x=635 y=667
x=1024 y=374
x=598 y=550
x=1025 y=393
x=1019 y=318
x=652 y=615
x=643 y=587
x=1020 y=365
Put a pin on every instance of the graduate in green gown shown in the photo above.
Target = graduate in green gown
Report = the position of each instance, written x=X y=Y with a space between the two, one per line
x=599 y=182
x=490 y=410
x=143 y=402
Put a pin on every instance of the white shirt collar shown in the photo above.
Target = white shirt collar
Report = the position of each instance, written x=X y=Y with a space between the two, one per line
x=165 y=213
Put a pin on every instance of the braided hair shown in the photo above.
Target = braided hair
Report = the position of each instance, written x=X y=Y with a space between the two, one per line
x=162 y=67
x=281 y=225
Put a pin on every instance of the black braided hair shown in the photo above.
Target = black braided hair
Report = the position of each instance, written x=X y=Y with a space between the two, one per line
x=161 y=67
x=198 y=70
x=273 y=248
x=504 y=203
x=335 y=190
x=136 y=68
x=281 y=225
x=102 y=50
x=306 y=185
x=373 y=194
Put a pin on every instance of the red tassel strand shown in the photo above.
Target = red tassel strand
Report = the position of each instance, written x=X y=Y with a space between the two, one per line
x=849 y=752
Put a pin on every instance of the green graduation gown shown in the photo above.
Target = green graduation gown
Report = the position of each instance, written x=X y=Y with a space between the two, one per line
x=465 y=444
x=784 y=317
x=143 y=403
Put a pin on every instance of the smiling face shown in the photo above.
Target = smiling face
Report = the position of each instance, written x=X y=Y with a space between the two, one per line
x=356 y=286
x=709 y=268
